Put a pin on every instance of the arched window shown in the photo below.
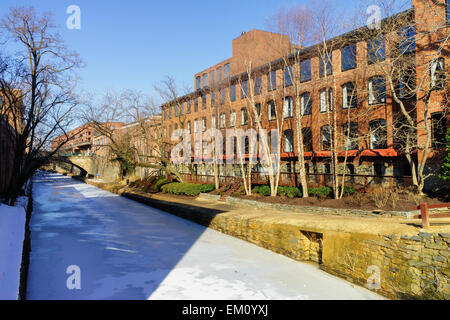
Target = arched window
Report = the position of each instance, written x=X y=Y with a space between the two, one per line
x=288 y=107
x=377 y=90
x=288 y=140
x=326 y=137
x=306 y=103
x=244 y=117
x=271 y=111
x=378 y=134
x=349 y=95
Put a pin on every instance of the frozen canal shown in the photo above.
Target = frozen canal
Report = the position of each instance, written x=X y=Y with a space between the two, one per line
x=126 y=250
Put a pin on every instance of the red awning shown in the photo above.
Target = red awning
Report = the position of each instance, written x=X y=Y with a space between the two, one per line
x=379 y=153
x=350 y=153
x=322 y=154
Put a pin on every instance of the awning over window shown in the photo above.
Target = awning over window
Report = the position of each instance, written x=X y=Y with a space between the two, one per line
x=379 y=153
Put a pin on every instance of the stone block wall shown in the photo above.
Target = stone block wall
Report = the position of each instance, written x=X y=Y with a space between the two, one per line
x=410 y=266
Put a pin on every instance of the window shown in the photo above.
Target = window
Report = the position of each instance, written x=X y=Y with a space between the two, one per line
x=325 y=134
x=306 y=103
x=271 y=80
x=326 y=99
x=437 y=73
x=447 y=12
x=288 y=76
x=244 y=89
x=219 y=73
x=407 y=42
x=205 y=80
x=258 y=85
x=307 y=139
x=348 y=54
x=378 y=134
x=176 y=111
x=204 y=101
x=271 y=110
x=211 y=77
x=305 y=70
x=258 y=111
x=350 y=136
x=188 y=107
x=197 y=83
x=438 y=130
x=196 y=104
x=182 y=108
x=223 y=120
x=376 y=50
x=349 y=96
x=288 y=107
x=213 y=98
x=232 y=119
x=407 y=85
x=170 y=112
x=203 y=124
x=196 y=126
x=197 y=149
x=377 y=90
x=328 y=58
x=189 y=127
x=233 y=92
x=165 y=114
x=244 y=116
x=226 y=71
x=222 y=96
x=288 y=140
x=213 y=122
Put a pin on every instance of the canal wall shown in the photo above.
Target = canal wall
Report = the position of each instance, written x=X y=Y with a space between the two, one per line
x=398 y=266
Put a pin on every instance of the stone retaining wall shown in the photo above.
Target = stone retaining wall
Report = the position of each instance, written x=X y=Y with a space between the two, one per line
x=316 y=210
x=409 y=266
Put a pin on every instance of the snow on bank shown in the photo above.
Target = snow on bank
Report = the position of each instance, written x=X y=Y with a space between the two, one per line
x=12 y=232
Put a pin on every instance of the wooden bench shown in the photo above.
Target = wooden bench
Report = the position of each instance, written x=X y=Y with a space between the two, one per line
x=425 y=216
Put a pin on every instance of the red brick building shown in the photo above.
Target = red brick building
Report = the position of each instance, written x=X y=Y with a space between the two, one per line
x=222 y=95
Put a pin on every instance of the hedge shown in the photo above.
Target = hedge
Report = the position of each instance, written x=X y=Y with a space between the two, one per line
x=290 y=192
x=188 y=189
x=320 y=192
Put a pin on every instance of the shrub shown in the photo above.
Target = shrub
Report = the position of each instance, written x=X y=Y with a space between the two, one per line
x=444 y=173
x=188 y=189
x=154 y=185
x=348 y=191
x=380 y=196
x=290 y=192
x=321 y=192
x=262 y=190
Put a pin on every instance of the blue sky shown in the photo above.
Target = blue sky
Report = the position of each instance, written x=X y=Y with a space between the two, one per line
x=135 y=43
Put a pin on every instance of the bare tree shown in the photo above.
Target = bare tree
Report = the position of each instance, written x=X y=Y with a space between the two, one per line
x=408 y=50
x=37 y=88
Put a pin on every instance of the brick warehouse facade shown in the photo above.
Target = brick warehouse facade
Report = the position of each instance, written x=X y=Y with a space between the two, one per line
x=218 y=100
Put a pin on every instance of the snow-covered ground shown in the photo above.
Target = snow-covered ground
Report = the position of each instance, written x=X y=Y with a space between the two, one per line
x=126 y=250
x=12 y=231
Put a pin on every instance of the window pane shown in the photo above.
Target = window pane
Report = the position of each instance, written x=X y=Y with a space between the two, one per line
x=306 y=103
x=288 y=76
x=407 y=42
x=233 y=92
x=348 y=57
x=376 y=50
x=305 y=70
x=328 y=57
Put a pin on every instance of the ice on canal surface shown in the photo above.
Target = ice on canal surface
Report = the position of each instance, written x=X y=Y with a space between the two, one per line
x=126 y=250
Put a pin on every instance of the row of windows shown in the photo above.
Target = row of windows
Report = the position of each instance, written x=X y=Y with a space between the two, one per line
x=350 y=133
x=376 y=92
x=213 y=76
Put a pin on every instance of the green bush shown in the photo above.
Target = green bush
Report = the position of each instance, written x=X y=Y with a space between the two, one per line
x=348 y=191
x=262 y=190
x=290 y=192
x=321 y=192
x=188 y=189
x=155 y=185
